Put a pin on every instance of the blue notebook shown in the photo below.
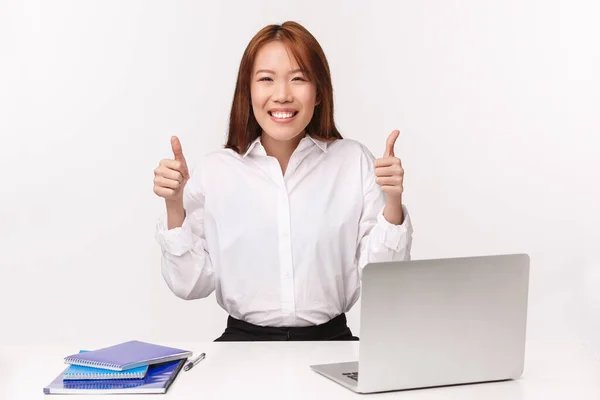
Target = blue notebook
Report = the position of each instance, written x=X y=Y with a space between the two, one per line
x=77 y=372
x=158 y=380
x=127 y=355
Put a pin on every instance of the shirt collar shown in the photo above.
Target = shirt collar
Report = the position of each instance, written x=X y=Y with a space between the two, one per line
x=252 y=146
x=320 y=143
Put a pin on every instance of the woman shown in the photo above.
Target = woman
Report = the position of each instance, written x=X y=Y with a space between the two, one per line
x=282 y=220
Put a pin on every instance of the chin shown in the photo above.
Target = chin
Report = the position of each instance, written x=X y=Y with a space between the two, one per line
x=285 y=134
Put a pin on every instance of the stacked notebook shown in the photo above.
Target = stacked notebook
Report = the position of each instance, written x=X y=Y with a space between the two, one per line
x=130 y=367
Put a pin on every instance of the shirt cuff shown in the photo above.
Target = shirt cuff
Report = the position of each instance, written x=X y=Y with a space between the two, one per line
x=395 y=237
x=176 y=241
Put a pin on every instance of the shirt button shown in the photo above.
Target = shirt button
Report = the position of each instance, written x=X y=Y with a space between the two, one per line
x=287 y=275
x=285 y=234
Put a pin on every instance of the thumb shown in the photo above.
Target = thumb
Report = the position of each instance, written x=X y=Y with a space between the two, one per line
x=389 y=144
x=177 y=151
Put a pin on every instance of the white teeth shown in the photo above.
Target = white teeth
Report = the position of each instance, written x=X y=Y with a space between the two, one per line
x=282 y=115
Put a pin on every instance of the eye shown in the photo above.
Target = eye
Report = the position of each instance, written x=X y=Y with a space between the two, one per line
x=299 y=78
x=264 y=79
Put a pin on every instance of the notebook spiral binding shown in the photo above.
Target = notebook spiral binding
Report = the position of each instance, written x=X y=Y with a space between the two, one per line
x=86 y=363
x=89 y=375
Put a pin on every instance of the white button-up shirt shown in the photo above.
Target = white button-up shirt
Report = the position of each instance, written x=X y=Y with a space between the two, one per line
x=281 y=249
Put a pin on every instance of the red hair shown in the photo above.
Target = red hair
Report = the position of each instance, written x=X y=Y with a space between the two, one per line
x=243 y=127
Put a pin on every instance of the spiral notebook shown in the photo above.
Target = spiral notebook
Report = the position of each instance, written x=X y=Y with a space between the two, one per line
x=157 y=381
x=127 y=355
x=77 y=372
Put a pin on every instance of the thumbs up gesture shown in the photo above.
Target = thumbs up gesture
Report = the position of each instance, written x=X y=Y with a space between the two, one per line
x=171 y=175
x=390 y=176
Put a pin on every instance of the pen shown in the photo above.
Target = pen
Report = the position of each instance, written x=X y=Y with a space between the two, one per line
x=193 y=362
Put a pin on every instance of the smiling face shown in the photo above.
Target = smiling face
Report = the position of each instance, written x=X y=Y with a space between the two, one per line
x=283 y=100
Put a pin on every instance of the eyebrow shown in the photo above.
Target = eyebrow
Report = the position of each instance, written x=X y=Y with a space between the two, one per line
x=268 y=71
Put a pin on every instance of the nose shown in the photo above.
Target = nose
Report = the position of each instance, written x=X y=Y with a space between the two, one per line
x=283 y=93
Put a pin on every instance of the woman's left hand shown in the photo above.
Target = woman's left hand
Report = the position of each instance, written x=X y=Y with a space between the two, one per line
x=390 y=176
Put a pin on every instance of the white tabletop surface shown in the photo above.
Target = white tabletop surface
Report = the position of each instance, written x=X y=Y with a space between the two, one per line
x=553 y=370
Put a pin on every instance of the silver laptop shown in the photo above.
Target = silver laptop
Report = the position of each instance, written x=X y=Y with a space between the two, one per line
x=427 y=323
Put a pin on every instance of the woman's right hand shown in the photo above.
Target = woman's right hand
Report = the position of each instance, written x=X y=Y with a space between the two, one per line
x=171 y=175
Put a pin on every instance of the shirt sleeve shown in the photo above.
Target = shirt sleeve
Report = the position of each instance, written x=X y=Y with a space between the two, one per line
x=379 y=240
x=185 y=262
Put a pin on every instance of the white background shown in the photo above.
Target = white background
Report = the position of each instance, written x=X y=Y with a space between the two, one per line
x=498 y=103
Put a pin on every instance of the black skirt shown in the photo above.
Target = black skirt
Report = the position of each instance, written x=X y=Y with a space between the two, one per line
x=241 y=331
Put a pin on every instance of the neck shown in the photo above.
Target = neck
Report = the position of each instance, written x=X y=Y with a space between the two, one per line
x=282 y=150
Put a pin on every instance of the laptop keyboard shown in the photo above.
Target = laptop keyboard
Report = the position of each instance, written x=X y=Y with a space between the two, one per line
x=351 y=375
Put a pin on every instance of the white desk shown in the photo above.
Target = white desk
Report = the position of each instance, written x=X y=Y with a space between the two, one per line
x=280 y=371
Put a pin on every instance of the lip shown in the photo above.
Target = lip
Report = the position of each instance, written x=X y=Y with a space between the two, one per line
x=283 y=120
x=272 y=110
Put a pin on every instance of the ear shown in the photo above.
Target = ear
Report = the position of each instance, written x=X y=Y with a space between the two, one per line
x=318 y=101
